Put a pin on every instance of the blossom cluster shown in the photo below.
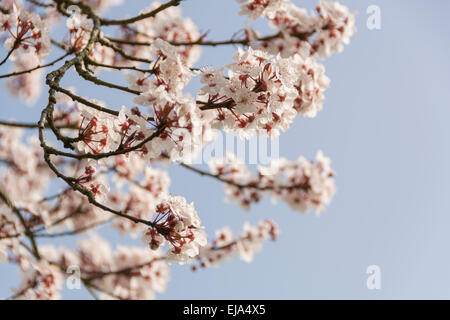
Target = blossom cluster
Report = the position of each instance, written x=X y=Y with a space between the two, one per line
x=302 y=184
x=321 y=35
x=113 y=161
x=257 y=8
x=40 y=281
x=98 y=130
x=26 y=33
x=228 y=245
x=26 y=86
x=143 y=195
x=174 y=113
x=177 y=223
x=23 y=182
x=262 y=94
x=80 y=27
x=101 y=5
x=125 y=273
x=26 y=177
x=101 y=132
x=167 y=25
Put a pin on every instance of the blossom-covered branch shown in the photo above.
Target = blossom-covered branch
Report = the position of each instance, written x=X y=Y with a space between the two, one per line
x=113 y=159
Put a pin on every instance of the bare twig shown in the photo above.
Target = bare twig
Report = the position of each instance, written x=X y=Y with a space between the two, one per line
x=17 y=73
x=28 y=232
x=172 y=3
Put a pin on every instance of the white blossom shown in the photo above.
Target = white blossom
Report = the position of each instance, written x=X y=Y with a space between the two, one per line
x=25 y=33
x=26 y=86
x=301 y=184
x=177 y=223
x=41 y=281
x=263 y=94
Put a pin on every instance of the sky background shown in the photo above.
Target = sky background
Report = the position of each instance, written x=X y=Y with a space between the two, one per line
x=385 y=126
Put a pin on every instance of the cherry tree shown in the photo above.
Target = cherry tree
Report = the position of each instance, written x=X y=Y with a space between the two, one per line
x=113 y=160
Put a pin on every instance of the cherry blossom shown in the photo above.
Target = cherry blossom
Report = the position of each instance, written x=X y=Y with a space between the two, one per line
x=26 y=178
x=301 y=184
x=227 y=245
x=256 y=8
x=9 y=4
x=26 y=32
x=310 y=86
x=174 y=113
x=144 y=195
x=263 y=94
x=27 y=86
x=76 y=213
x=125 y=273
x=102 y=5
x=3 y=252
x=79 y=27
x=139 y=284
x=321 y=35
x=41 y=281
x=169 y=26
x=177 y=223
x=90 y=164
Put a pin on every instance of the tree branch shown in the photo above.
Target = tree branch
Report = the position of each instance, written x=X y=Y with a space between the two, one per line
x=12 y=74
x=28 y=232
x=108 y=22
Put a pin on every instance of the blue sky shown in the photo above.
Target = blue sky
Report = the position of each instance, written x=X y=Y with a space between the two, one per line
x=385 y=127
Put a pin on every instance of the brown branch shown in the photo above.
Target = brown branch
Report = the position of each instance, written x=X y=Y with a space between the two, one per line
x=108 y=22
x=57 y=195
x=32 y=125
x=219 y=177
x=58 y=44
x=28 y=232
x=199 y=42
x=206 y=105
x=21 y=292
x=82 y=100
x=10 y=236
x=72 y=232
x=87 y=76
x=97 y=64
x=12 y=74
x=125 y=270
x=125 y=55
x=53 y=79
x=91 y=291
x=41 y=4
x=9 y=54
x=102 y=155
x=94 y=286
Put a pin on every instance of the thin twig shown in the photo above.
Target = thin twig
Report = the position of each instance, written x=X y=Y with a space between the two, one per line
x=172 y=3
x=32 y=125
x=12 y=74
x=28 y=232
